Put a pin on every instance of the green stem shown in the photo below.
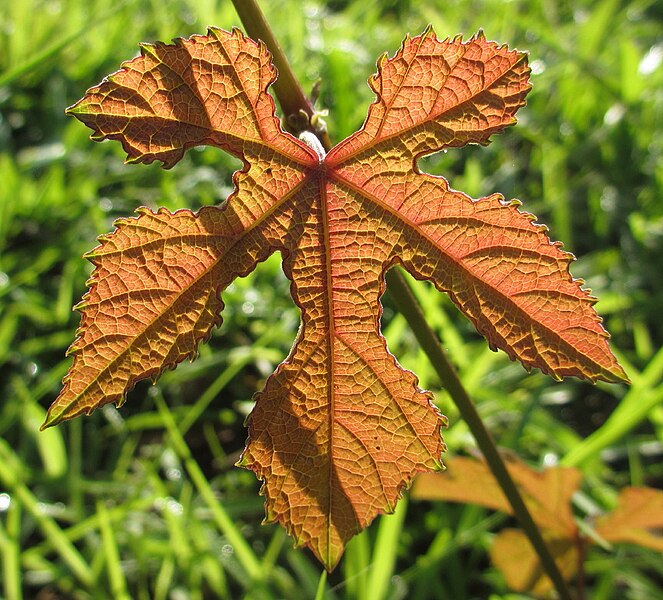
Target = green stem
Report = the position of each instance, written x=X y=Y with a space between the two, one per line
x=118 y=583
x=292 y=100
x=385 y=551
x=290 y=94
x=322 y=586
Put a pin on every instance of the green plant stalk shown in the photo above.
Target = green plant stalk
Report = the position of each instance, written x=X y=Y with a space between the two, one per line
x=357 y=559
x=164 y=578
x=322 y=586
x=11 y=552
x=257 y=27
x=289 y=93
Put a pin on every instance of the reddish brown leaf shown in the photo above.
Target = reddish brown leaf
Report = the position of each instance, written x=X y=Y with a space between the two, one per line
x=638 y=519
x=512 y=553
x=340 y=428
x=547 y=493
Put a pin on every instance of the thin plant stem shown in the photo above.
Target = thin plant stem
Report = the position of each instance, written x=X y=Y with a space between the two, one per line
x=287 y=89
x=11 y=552
x=118 y=583
x=384 y=552
x=256 y=26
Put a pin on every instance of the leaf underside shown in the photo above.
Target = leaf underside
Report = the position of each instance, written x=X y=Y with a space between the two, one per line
x=637 y=519
x=547 y=495
x=340 y=428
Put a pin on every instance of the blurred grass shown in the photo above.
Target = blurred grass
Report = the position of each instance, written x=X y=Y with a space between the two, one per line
x=145 y=502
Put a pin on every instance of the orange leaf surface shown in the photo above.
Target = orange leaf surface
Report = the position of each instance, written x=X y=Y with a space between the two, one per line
x=340 y=427
x=637 y=519
x=512 y=553
x=547 y=493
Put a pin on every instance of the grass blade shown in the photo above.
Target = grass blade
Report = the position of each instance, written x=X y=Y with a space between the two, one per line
x=51 y=530
x=384 y=553
x=243 y=551
x=116 y=577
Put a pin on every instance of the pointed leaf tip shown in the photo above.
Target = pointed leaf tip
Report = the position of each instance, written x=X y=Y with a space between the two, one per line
x=48 y=422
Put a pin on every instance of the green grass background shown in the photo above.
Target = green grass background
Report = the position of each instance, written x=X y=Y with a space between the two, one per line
x=144 y=502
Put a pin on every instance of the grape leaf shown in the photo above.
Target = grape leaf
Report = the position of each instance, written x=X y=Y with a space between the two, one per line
x=340 y=428
x=637 y=519
x=547 y=493
x=512 y=553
